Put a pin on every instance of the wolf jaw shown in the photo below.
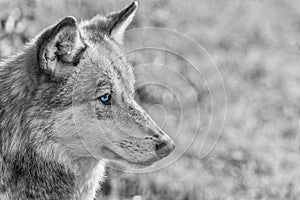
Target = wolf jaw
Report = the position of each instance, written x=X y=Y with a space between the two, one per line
x=56 y=136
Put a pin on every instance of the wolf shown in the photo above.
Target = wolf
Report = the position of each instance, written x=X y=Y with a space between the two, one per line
x=67 y=109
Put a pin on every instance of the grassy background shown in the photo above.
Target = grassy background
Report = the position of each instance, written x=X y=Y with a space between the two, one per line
x=256 y=46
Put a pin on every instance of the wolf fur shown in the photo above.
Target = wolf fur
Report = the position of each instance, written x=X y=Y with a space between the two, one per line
x=56 y=135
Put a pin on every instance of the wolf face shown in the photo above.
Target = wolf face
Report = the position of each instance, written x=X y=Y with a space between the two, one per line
x=92 y=111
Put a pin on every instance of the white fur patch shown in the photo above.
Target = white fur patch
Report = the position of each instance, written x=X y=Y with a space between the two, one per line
x=89 y=180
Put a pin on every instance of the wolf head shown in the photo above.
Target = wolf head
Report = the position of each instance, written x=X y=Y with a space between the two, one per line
x=89 y=92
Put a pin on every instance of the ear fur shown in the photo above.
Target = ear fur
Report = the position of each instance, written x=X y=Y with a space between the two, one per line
x=120 y=21
x=60 y=46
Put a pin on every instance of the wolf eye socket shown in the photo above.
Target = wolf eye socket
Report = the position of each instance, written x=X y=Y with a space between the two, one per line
x=106 y=99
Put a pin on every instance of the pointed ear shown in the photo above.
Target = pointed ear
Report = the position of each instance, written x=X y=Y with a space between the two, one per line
x=60 y=47
x=119 y=21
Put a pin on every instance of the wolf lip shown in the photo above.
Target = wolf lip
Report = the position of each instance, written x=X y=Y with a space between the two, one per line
x=110 y=154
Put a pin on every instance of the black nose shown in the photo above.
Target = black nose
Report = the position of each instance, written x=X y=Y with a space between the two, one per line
x=164 y=148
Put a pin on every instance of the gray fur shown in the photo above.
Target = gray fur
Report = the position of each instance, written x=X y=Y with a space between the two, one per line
x=55 y=133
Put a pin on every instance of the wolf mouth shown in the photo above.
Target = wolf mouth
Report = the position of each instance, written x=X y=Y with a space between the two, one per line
x=110 y=154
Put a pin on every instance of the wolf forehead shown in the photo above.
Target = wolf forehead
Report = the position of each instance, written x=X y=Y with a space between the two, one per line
x=114 y=23
x=103 y=63
x=97 y=28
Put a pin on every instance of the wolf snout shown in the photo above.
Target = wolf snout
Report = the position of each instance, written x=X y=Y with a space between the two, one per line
x=164 y=147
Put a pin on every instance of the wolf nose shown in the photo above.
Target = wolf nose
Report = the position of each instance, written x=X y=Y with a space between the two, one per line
x=164 y=148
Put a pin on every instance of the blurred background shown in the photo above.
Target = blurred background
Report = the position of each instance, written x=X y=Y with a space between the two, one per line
x=256 y=46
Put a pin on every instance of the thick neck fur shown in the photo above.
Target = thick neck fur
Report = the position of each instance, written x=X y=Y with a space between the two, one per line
x=30 y=168
x=18 y=83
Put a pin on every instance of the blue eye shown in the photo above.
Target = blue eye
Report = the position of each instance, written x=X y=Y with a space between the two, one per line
x=105 y=99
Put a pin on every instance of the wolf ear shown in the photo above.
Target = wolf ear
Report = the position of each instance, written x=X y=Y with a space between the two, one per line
x=60 y=46
x=119 y=21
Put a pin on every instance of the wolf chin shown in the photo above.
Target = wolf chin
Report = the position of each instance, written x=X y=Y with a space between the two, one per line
x=67 y=108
